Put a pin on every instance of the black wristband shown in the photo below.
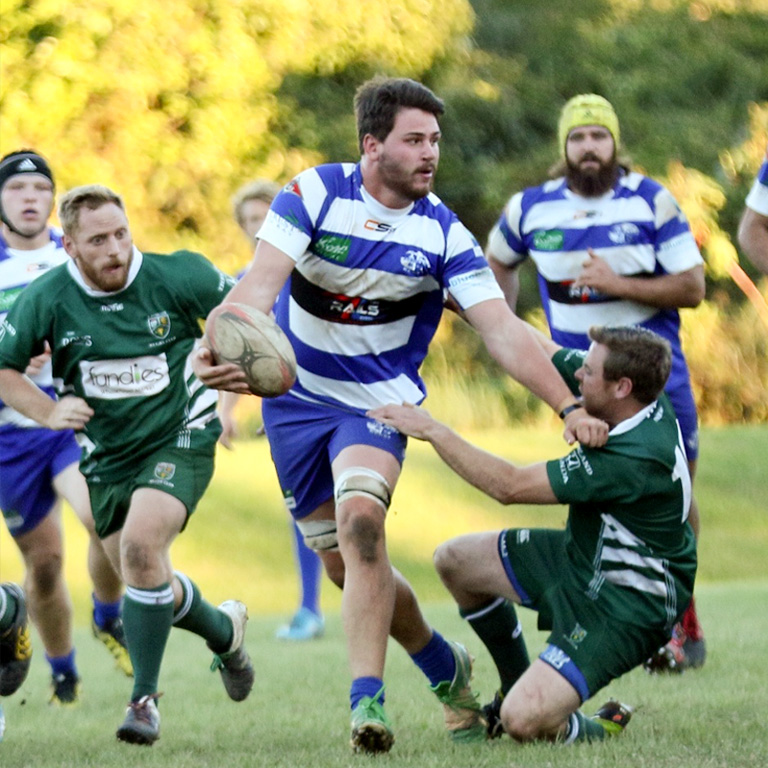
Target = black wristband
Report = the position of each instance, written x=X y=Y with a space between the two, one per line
x=569 y=409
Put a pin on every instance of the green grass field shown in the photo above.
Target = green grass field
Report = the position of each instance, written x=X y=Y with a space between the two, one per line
x=238 y=545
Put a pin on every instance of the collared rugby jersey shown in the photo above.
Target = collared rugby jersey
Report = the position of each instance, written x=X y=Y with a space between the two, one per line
x=757 y=199
x=126 y=353
x=18 y=269
x=637 y=227
x=367 y=292
x=627 y=534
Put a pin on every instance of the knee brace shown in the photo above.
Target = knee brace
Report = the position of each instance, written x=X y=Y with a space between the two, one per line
x=319 y=535
x=361 y=481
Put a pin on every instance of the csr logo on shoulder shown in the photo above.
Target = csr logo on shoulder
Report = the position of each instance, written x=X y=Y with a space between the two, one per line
x=129 y=377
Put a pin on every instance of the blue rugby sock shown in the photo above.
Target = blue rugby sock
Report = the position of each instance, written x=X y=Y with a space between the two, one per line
x=436 y=660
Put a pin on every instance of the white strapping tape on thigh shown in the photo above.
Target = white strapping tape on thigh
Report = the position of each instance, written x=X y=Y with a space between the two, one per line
x=361 y=481
x=319 y=535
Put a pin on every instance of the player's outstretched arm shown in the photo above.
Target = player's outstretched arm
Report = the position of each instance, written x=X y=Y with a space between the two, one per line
x=20 y=393
x=491 y=474
x=512 y=344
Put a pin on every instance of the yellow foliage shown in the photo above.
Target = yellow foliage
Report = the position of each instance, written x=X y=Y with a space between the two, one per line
x=728 y=358
x=172 y=103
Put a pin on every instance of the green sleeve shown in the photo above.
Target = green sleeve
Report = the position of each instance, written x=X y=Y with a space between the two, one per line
x=567 y=362
x=596 y=475
x=206 y=285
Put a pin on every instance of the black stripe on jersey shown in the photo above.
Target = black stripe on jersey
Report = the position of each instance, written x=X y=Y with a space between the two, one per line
x=350 y=310
x=564 y=292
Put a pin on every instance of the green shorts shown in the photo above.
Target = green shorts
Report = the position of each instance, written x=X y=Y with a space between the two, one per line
x=587 y=646
x=179 y=472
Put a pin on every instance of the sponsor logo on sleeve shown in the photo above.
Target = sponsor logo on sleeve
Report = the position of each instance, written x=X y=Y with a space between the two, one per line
x=477 y=277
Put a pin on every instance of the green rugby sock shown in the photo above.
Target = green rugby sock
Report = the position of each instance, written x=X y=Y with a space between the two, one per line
x=497 y=625
x=197 y=615
x=583 y=728
x=147 y=618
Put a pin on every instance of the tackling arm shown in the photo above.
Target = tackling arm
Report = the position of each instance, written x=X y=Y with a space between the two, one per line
x=512 y=344
x=491 y=474
x=753 y=238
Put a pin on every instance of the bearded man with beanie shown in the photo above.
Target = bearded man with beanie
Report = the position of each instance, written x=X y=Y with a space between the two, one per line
x=611 y=247
x=39 y=467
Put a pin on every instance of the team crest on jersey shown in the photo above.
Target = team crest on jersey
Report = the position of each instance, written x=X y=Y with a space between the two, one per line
x=165 y=470
x=159 y=324
x=625 y=233
x=415 y=263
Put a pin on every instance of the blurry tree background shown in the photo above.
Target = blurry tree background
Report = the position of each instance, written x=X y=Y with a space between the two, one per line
x=175 y=104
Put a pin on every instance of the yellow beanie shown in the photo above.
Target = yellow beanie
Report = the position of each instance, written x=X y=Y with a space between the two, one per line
x=587 y=109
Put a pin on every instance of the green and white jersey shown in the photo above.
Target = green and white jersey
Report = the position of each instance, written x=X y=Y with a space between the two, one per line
x=628 y=541
x=126 y=353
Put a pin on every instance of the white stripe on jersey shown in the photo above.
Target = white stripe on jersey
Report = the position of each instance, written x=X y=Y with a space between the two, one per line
x=364 y=396
x=578 y=318
x=630 y=557
x=635 y=580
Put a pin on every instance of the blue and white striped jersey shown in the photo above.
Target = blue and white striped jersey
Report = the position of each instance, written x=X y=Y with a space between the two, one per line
x=366 y=295
x=757 y=199
x=17 y=270
x=637 y=227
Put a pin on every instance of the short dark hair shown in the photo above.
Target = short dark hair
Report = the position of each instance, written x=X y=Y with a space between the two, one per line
x=91 y=196
x=640 y=355
x=378 y=101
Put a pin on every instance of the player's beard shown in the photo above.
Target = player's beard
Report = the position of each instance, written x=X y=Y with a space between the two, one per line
x=108 y=282
x=592 y=182
x=404 y=182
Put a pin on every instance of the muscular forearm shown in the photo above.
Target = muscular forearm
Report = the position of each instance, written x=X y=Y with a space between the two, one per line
x=665 y=291
x=490 y=474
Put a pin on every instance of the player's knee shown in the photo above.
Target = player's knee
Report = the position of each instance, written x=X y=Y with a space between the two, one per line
x=45 y=572
x=521 y=723
x=448 y=559
x=135 y=558
x=363 y=529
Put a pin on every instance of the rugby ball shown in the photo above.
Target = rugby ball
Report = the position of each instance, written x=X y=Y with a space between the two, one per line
x=239 y=334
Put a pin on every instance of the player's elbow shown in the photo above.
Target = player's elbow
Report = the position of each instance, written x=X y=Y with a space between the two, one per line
x=695 y=288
